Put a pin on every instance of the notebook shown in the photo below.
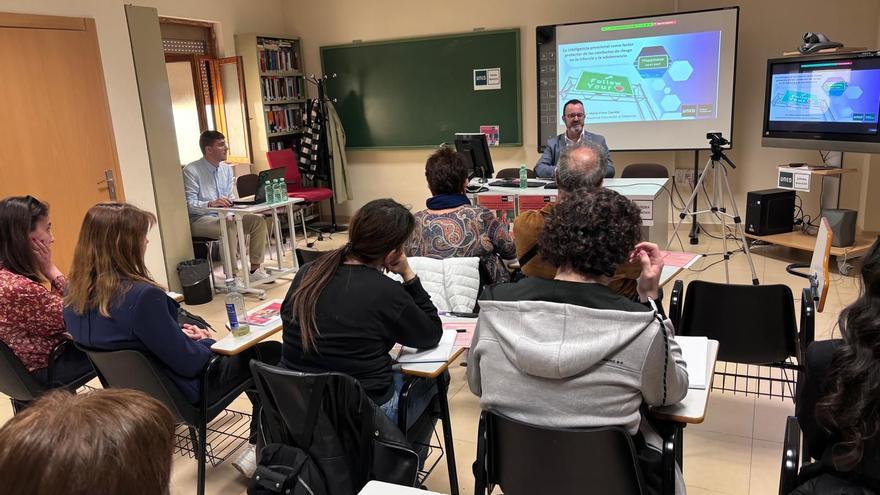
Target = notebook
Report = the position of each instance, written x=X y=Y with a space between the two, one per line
x=439 y=354
x=695 y=351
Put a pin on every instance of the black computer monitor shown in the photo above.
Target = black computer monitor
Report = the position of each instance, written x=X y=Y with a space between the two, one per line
x=475 y=149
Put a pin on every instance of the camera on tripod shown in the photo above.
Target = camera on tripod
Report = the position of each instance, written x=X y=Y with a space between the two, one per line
x=716 y=139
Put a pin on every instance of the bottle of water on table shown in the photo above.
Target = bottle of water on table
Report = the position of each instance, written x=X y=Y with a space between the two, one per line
x=523 y=176
x=236 y=311
x=270 y=192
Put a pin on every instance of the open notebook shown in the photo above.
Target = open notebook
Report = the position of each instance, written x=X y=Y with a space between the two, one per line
x=439 y=354
x=695 y=351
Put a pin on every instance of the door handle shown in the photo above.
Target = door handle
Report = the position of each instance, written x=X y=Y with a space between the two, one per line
x=111 y=184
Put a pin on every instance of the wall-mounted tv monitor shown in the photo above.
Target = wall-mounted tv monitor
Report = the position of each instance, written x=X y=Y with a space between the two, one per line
x=647 y=83
x=828 y=102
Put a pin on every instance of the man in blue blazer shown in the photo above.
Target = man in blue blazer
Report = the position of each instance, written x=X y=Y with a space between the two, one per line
x=573 y=115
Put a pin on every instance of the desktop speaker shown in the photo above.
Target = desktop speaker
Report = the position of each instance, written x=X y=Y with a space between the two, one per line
x=843 y=226
x=769 y=212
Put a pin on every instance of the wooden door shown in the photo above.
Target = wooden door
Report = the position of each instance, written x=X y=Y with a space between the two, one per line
x=56 y=137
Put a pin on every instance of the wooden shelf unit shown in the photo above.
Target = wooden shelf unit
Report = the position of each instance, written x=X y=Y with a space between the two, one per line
x=275 y=89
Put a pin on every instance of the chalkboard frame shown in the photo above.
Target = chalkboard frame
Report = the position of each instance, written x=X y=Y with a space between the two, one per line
x=518 y=112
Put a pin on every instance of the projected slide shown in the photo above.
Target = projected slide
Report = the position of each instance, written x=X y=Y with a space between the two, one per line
x=836 y=95
x=672 y=77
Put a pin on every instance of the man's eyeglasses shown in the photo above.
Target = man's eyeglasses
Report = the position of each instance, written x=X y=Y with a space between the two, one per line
x=574 y=116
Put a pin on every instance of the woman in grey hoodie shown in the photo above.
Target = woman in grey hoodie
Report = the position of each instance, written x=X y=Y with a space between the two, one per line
x=569 y=352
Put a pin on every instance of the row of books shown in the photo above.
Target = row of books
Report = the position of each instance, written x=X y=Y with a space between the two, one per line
x=277 y=145
x=283 y=119
x=282 y=88
x=277 y=55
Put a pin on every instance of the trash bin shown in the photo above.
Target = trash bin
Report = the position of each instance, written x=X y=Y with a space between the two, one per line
x=195 y=277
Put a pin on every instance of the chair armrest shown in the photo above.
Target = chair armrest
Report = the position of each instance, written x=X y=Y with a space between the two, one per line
x=203 y=400
x=807 y=330
x=56 y=353
x=675 y=303
x=481 y=467
x=668 y=459
x=791 y=448
x=793 y=268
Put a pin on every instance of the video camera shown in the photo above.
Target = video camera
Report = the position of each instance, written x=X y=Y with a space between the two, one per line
x=715 y=139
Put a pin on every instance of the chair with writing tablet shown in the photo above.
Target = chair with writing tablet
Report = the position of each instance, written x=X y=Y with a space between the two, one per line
x=525 y=459
x=817 y=268
x=135 y=370
x=21 y=387
x=755 y=327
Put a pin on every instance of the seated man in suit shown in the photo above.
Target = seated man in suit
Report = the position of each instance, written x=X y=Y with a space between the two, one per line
x=208 y=182
x=580 y=166
x=573 y=115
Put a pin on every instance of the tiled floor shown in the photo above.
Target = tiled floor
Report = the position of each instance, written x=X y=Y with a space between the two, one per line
x=735 y=451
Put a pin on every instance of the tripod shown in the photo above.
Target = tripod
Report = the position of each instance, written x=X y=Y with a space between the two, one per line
x=718 y=163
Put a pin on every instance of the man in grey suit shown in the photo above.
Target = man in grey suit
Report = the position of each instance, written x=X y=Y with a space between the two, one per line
x=573 y=115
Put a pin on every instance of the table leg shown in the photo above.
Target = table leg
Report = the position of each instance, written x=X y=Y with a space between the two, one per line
x=243 y=253
x=442 y=389
x=276 y=225
x=679 y=444
x=292 y=227
x=224 y=248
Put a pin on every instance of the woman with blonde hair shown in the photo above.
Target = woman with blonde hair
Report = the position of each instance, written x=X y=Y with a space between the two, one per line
x=113 y=303
x=105 y=441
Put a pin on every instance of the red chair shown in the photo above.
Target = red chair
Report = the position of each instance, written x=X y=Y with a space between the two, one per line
x=310 y=195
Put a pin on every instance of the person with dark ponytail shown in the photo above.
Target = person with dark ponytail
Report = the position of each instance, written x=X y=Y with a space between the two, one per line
x=838 y=405
x=343 y=314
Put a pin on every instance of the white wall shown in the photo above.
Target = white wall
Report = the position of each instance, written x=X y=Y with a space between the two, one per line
x=767 y=28
x=233 y=15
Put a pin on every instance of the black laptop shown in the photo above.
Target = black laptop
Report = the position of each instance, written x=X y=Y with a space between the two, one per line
x=260 y=196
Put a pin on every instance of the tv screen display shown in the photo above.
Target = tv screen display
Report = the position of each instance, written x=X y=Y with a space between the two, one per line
x=829 y=102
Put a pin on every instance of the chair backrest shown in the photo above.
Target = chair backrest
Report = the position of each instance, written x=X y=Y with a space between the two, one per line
x=133 y=369
x=286 y=158
x=308 y=255
x=645 y=171
x=753 y=324
x=527 y=459
x=246 y=184
x=513 y=173
x=15 y=381
x=323 y=414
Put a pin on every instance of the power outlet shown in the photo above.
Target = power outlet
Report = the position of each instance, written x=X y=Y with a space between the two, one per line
x=684 y=176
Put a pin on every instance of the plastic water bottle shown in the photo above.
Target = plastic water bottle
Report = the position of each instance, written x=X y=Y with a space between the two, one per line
x=236 y=311
x=284 y=188
x=523 y=176
x=270 y=192
x=280 y=193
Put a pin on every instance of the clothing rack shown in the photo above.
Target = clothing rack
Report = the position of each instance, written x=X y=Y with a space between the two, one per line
x=324 y=152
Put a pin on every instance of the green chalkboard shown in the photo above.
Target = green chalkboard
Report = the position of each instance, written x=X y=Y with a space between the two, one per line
x=419 y=92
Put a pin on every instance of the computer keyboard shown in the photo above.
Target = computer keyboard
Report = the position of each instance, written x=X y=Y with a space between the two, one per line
x=550 y=185
x=514 y=183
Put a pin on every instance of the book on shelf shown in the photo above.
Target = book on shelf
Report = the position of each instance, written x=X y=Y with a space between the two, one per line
x=277 y=55
x=282 y=118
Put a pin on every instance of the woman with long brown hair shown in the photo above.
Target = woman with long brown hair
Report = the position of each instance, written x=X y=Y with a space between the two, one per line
x=31 y=324
x=113 y=303
x=343 y=314
x=838 y=405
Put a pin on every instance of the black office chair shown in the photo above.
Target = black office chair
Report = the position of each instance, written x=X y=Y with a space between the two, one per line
x=753 y=324
x=135 y=370
x=304 y=256
x=645 y=171
x=527 y=459
x=513 y=173
x=21 y=387
x=319 y=413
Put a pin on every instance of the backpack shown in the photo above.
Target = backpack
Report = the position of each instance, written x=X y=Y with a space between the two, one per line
x=286 y=470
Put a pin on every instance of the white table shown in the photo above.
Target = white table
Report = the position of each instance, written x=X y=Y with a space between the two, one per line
x=238 y=212
x=382 y=488
x=648 y=194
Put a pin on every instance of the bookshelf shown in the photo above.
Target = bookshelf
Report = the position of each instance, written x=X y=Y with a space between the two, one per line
x=275 y=89
x=276 y=95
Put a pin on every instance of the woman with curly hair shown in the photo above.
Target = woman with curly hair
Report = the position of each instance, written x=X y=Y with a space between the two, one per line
x=451 y=227
x=569 y=352
x=838 y=404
